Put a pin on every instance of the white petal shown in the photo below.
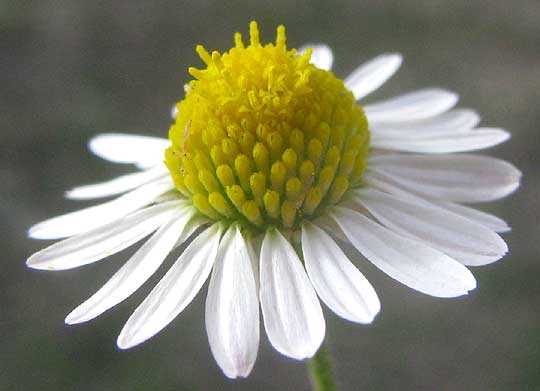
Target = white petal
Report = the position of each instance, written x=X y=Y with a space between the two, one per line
x=373 y=74
x=381 y=182
x=467 y=242
x=408 y=261
x=174 y=111
x=104 y=241
x=99 y=215
x=232 y=307
x=116 y=186
x=321 y=57
x=451 y=122
x=175 y=290
x=134 y=272
x=292 y=313
x=479 y=217
x=338 y=283
x=480 y=138
x=461 y=178
x=144 y=151
x=254 y=246
x=411 y=106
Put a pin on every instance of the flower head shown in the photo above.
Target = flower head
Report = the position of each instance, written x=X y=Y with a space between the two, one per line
x=264 y=137
x=270 y=163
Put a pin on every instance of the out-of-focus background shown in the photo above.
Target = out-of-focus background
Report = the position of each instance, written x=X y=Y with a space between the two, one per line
x=72 y=69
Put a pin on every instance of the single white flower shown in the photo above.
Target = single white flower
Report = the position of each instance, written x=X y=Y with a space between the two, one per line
x=271 y=159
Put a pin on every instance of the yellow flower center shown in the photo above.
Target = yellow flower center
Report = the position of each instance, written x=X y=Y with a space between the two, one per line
x=263 y=137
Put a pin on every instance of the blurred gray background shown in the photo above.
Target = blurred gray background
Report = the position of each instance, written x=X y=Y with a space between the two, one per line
x=72 y=69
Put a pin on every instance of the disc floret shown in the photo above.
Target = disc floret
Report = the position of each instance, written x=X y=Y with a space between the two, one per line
x=263 y=137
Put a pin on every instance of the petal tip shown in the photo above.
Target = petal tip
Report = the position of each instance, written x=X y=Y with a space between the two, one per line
x=130 y=337
x=71 y=319
x=504 y=228
x=365 y=318
x=74 y=194
x=76 y=316
x=470 y=283
x=41 y=232
x=240 y=372
x=34 y=232
x=31 y=263
x=124 y=343
x=396 y=57
x=37 y=264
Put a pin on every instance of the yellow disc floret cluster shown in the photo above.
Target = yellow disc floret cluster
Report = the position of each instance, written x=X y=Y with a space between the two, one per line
x=263 y=137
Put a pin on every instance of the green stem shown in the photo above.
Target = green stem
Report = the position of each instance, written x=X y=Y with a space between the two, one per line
x=320 y=371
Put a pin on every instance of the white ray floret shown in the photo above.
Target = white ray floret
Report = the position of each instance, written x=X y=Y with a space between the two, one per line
x=452 y=122
x=476 y=139
x=232 y=307
x=339 y=284
x=486 y=219
x=292 y=314
x=143 y=151
x=117 y=185
x=415 y=105
x=461 y=178
x=374 y=73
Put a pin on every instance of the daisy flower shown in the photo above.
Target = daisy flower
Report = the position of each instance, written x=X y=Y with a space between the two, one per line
x=272 y=163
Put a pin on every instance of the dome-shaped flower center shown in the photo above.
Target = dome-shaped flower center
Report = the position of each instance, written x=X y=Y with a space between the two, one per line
x=264 y=137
